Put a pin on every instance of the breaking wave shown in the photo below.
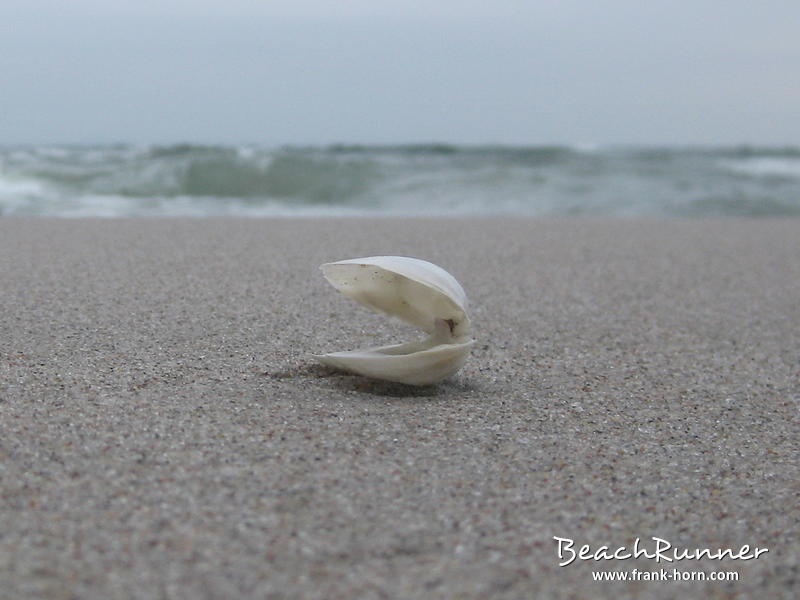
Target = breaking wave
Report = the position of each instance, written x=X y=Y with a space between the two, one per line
x=424 y=179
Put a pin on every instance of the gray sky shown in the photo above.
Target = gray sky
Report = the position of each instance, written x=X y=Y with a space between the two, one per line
x=391 y=71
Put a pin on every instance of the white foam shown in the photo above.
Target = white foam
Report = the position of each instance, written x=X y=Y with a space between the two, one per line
x=16 y=186
x=765 y=166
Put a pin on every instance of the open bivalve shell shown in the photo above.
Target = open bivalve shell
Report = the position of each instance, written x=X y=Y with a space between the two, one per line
x=421 y=294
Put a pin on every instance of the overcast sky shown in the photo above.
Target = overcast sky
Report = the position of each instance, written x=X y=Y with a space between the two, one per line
x=392 y=71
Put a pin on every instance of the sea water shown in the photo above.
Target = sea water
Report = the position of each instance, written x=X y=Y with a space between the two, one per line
x=435 y=179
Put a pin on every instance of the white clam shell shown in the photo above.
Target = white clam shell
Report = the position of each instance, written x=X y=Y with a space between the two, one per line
x=418 y=292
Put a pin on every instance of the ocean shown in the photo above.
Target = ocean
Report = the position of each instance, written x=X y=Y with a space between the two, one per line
x=432 y=179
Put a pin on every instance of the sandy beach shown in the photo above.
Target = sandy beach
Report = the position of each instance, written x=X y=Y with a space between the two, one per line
x=164 y=432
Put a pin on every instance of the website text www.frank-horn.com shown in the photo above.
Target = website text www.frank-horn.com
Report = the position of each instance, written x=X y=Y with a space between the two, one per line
x=664 y=575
